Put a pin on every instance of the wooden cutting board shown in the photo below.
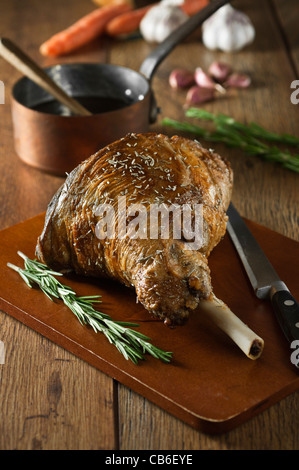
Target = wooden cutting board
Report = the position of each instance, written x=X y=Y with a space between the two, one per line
x=210 y=384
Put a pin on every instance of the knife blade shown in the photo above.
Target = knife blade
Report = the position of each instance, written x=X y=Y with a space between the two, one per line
x=264 y=279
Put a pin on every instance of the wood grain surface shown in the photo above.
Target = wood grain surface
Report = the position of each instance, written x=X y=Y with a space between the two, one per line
x=211 y=384
x=50 y=398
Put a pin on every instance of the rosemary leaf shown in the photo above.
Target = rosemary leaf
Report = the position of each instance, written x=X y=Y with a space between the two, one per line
x=130 y=343
x=252 y=138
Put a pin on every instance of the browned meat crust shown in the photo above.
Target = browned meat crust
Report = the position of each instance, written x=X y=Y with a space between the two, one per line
x=147 y=169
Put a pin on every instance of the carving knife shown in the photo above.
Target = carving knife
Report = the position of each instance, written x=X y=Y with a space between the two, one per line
x=264 y=279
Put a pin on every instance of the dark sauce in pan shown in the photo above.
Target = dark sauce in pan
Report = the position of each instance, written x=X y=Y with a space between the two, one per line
x=94 y=104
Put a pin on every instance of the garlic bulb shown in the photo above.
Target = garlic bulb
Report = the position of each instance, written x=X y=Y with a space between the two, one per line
x=160 y=21
x=228 y=30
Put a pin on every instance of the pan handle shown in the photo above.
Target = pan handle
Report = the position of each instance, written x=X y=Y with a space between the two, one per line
x=150 y=64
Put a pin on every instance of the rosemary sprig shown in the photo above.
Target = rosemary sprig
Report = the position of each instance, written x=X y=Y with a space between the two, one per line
x=250 y=138
x=130 y=343
x=252 y=129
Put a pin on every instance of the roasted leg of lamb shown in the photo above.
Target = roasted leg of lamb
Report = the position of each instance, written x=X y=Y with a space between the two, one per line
x=147 y=170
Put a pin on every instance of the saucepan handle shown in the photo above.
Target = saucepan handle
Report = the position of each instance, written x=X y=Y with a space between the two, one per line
x=150 y=64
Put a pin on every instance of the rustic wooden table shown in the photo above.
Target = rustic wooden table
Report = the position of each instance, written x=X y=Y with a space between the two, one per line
x=49 y=398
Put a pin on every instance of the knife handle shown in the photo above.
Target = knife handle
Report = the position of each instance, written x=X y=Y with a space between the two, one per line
x=286 y=309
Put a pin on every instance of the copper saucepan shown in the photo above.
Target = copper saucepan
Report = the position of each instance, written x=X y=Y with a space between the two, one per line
x=49 y=137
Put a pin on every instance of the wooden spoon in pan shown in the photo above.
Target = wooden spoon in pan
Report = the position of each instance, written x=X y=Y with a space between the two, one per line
x=22 y=62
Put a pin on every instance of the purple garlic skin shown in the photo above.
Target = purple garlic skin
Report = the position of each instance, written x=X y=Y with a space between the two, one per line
x=181 y=78
x=202 y=79
x=197 y=95
x=238 y=80
x=219 y=71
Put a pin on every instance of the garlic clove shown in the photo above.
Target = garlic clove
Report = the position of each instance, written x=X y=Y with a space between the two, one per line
x=197 y=95
x=202 y=79
x=238 y=80
x=219 y=71
x=181 y=78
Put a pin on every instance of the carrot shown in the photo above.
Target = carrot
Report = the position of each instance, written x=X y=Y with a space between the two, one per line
x=83 y=31
x=101 y=3
x=127 y=22
x=190 y=7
